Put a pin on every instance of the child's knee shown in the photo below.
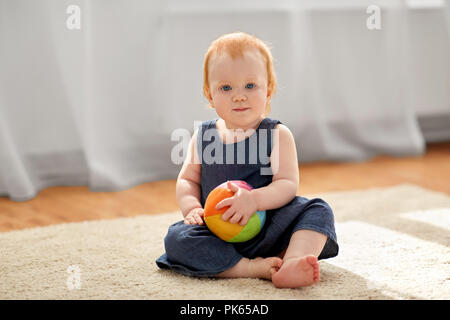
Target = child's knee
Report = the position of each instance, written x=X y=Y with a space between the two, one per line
x=321 y=203
x=324 y=208
x=174 y=240
x=181 y=238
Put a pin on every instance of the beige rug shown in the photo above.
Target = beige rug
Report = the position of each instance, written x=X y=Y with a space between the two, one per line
x=394 y=244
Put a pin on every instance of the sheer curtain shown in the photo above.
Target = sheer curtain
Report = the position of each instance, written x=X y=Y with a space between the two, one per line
x=97 y=105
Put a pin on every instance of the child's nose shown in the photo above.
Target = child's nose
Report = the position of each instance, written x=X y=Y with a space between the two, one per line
x=239 y=98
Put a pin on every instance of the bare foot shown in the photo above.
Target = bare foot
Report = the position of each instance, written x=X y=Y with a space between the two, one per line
x=264 y=267
x=297 y=272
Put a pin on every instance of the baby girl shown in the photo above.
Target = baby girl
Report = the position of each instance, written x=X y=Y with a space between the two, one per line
x=239 y=82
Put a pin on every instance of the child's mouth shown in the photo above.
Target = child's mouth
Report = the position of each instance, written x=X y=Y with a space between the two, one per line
x=240 y=109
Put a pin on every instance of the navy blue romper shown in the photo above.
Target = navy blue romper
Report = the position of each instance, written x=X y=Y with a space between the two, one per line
x=194 y=251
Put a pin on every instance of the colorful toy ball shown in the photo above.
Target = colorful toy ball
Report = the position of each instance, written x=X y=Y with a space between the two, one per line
x=225 y=230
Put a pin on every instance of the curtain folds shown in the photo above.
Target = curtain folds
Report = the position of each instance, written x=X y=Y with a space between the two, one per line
x=97 y=105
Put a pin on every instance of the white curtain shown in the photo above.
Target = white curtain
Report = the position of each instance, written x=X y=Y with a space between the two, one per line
x=97 y=105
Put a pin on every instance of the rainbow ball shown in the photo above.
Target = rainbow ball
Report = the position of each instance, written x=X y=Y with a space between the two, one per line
x=225 y=230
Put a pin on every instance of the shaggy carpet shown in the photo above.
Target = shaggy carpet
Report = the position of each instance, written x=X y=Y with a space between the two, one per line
x=394 y=244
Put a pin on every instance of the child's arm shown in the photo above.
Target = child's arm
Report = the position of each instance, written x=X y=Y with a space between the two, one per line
x=188 y=189
x=284 y=163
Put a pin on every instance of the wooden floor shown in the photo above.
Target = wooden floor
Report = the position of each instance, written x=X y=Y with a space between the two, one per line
x=71 y=204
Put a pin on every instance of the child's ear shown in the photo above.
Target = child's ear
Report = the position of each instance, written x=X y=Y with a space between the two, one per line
x=267 y=110
x=209 y=97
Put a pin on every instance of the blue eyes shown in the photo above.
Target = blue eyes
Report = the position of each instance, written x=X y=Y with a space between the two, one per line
x=228 y=88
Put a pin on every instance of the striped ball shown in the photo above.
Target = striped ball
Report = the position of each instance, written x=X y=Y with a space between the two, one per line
x=225 y=230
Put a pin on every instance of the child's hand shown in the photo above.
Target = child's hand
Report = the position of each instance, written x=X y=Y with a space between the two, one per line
x=242 y=205
x=195 y=216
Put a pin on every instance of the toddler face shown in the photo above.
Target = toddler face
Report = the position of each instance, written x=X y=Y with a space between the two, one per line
x=238 y=88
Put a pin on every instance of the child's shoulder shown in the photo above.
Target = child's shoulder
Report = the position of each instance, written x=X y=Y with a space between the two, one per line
x=283 y=131
x=205 y=124
x=276 y=124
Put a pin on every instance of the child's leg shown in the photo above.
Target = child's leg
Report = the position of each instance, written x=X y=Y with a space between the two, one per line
x=300 y=266
x=253 y=268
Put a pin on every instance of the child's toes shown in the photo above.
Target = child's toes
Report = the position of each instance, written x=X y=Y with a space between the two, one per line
x=273 y=270
x=277 y=262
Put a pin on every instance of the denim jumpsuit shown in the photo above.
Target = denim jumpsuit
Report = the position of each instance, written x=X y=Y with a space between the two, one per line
x=194 y=251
